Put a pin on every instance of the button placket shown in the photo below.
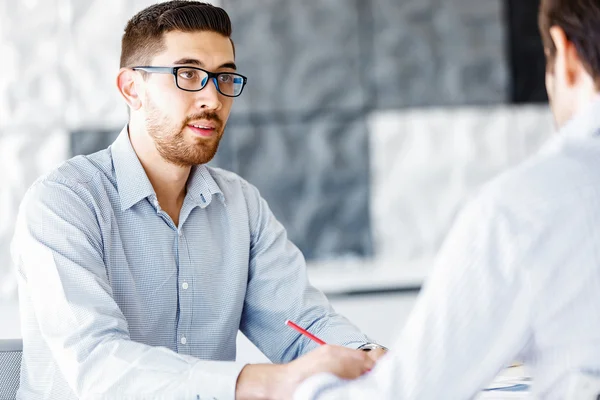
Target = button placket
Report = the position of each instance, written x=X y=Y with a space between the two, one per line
x=185 y=300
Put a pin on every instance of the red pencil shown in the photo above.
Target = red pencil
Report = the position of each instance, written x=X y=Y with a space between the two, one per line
x=304 y=332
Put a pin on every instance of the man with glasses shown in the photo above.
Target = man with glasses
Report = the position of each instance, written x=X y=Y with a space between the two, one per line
x=138 y=264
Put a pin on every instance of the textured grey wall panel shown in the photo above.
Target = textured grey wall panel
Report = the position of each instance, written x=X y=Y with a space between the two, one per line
x=91 y=141
x=315 y=178
x=434 y=52
x=298 y=56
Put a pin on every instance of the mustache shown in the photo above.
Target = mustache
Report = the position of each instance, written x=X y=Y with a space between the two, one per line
x=208 y=116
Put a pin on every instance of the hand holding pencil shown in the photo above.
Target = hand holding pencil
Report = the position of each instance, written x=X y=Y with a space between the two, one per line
x=341 y=361
x=375 y=354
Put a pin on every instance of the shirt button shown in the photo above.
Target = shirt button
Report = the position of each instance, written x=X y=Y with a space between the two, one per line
x=184 y=285
x=183 y=340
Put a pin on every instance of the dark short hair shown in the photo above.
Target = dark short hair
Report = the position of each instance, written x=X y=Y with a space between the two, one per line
x=580 y=20
x=143 y=37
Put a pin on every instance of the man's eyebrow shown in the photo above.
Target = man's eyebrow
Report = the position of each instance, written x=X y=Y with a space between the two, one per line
x=193 y=61
x=229 y=65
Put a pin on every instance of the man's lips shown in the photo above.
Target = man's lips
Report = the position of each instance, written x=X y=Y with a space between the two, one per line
x=203 y=129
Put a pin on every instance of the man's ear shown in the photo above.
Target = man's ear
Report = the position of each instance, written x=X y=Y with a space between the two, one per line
x=128 y=84
x=567 y=61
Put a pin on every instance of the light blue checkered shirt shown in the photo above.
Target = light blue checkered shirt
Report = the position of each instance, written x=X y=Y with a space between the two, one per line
x=118 y=302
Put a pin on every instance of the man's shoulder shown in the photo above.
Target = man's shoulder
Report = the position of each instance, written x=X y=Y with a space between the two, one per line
x=228 y=181
x=223 y=175
x=77 y=173
x=237 y=190
x=546 y=179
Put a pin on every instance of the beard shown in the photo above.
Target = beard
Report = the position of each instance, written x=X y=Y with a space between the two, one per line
x=170 y=141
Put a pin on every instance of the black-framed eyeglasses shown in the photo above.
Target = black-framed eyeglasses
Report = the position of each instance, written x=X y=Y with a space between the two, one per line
x=192 y=79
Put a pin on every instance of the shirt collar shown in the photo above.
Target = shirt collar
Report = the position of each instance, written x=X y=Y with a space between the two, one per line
x=133 y=183
x=201 y=187
x=586 y=122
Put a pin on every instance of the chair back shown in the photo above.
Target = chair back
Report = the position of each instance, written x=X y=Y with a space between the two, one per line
x=10 y=367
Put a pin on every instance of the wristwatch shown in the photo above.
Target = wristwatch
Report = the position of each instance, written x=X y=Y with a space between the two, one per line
x=372 y=346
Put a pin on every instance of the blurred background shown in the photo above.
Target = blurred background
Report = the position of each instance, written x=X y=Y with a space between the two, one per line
x=366 y=124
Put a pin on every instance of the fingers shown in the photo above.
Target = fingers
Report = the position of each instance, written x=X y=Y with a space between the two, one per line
x=368 y=362
x=337 y=360
x=348 y=363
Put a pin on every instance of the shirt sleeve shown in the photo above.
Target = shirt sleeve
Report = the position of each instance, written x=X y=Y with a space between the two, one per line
x=471 y=318
x=58 y=252
x=278 y=290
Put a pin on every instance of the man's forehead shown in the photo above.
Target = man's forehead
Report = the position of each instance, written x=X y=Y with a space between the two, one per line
x=210 y=48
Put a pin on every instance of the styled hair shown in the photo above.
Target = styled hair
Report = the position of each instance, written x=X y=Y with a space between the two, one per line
x=580 y=20
x=143 y=37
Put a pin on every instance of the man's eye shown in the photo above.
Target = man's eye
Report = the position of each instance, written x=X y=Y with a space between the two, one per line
x=188 y=74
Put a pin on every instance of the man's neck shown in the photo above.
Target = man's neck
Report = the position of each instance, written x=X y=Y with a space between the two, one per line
x=585 y=113
x=168 y=180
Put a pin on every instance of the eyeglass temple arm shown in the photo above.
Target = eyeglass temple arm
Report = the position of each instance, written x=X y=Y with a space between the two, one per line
x=166 y=70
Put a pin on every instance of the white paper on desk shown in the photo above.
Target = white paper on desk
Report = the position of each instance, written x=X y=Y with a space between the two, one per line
x=493 y=395
x=508 y=378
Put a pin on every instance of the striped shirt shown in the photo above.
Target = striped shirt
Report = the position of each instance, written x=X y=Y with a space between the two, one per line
x=517 y=278
x=118 y=302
